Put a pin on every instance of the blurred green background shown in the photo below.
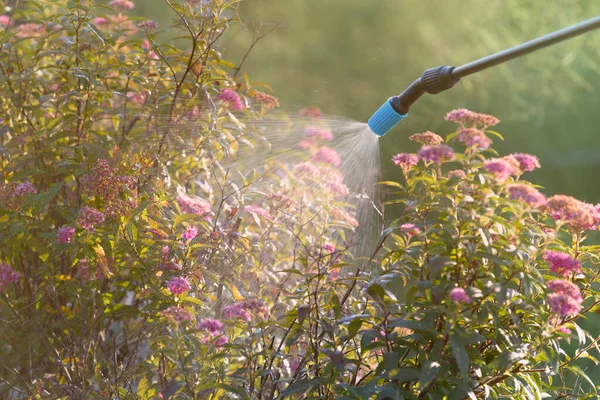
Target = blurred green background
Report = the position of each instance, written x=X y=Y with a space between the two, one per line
x=349 y=56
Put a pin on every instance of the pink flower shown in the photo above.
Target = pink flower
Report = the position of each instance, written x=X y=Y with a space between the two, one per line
x=101 y=22
x=500 y=167
x=24 y=188
x=304 y=144
x=427 y=137
x=406 y=161
x=306 y=168
x=572 y=211
x=328 y=247
x=179 y=285
x=123 y=5
x=311 y=112
x=329 y=156
x=30 y=30
x=466 y=117
x=257 y=210
x=148 y=47
x=177 y=314
x=566 y=298
x=459 y=295
x=526 y=193
x=165 y=253
x=65 y=234
x=8 y=276
x=337 y=188
x=83 y=269
x=343 y=216
x=213 y=326
x=561 y=263
x=5 y=21
x=410 y=229
x=456 y=173
x=436 y=154
x=236 y=312
x=527 y=162
x=148 y=25
x=564 y=329
x=221 y=340
x=233 y=98
x=89 y=218
x=190 y=232
x=194 y=205
x=473 y=137
x=316 y=132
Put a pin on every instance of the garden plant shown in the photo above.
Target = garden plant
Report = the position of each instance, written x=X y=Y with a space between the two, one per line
x=142 y=257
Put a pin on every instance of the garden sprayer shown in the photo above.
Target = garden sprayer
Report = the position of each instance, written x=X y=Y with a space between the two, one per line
x=439 y=79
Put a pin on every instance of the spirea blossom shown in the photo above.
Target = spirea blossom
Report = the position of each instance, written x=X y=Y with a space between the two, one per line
x=103 y=182
x=526 y=193
x=337 y=188
x=572 y=211
x=342 y=215
x=30 y=29
x=318 y=132
x=233 y=98
x=5 y=21
x=500 y=167
x=329 y=156
x=427 y=137
x=328 y=247
x=65 y=234
x=179 y=285
x=89 y=218
x=311 y=112
x=527 y=162
x=456 y=173
x=459 y=295
x=212 y=326
x=236 y=312
x=405 y=161
x=24 y=188
x=123 y=5
x=177 y=314
x=436 y=154
x=466 y=117
x=473 y=137
x=148 y=25
x=194 y=205
x=190 y=232
x=566 y=298
x=245 y=309
x=306 y=168
x=267 y=101
x=257 y=210
x=410 y=229
x=561 y=263
x=8 y=276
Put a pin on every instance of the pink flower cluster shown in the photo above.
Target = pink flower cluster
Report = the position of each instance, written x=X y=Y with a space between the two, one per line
x=89 y=218
x=245 y=309
x=233 y=98
x=194 y=205
x=190 y=232
x=456 y=173
x=179 y=285
x=528 y=194
x=576 y=213
x=406 y=161
x=502 y=168
x=410 y=229
x=473 y=137
x=466 y=117
x=561 y=263
x=459 y=295
x=258 y=211
x=306 y=168
x=177 y=314
x=8 y=276
x=527 y=162
x=329 y=156
x=24 y=188
x=148 y=25
x=342 y=215
x=436 y=154
x=5 y=21
x=328 y=247
x=103 y=182
x=427 y=137
x=311 y=112
x=319 y=133
x=212 y=326
x=566 y=298
x=65 y=234
x=123 y=5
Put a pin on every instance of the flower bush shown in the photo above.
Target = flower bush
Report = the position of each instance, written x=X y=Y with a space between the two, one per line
x=139 y=261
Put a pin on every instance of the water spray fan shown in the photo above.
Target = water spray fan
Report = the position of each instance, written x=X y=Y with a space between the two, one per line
x=439 y=79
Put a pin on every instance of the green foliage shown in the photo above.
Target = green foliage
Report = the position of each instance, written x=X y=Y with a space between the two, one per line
x=138 y=260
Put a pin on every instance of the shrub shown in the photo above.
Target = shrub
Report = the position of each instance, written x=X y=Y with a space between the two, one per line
x=143 y=257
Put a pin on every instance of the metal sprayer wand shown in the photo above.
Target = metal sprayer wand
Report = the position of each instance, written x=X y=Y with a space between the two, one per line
x=438 y=79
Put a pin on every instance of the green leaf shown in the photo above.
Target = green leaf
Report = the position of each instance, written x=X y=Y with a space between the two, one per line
x=460 y=355
x=428 y=374
x=172 y=387
x=302 y=386
x=391 y=183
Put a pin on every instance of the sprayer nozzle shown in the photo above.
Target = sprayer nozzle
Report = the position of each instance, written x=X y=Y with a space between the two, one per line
x=385 y=119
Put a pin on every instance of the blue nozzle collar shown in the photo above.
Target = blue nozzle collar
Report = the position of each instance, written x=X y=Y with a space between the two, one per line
x=384 y=119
